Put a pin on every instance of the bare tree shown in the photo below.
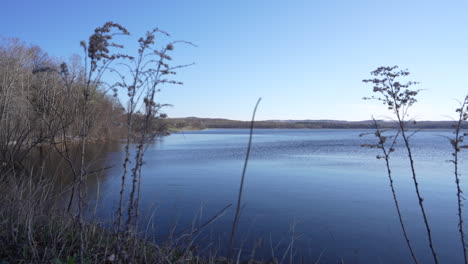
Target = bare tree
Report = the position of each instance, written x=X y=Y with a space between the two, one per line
x=16 y=125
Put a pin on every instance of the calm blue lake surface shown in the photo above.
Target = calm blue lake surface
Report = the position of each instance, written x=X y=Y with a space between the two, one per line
x=318 y=188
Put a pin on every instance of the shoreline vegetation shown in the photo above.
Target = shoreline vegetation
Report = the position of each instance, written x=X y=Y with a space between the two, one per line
x=50 y=107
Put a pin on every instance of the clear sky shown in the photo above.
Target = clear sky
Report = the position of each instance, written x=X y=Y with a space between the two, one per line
x=306 y=59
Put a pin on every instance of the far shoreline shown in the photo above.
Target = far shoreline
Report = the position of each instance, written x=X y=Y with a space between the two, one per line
x=198 y=124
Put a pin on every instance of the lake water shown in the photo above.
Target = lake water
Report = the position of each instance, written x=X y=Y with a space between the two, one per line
x=316 y=186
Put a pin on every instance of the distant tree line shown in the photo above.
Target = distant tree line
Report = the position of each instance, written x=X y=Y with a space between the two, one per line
x=203 y=123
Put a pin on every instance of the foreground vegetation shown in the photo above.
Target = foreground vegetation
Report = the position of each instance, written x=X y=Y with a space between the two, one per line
x=51 y=106
x=395 y=91
x=47 y=105
x=33 y=231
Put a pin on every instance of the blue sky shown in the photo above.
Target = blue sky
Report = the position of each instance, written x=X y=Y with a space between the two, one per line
x=306 y=59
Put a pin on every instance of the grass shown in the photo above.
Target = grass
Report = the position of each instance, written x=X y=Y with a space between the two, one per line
x=35 y=229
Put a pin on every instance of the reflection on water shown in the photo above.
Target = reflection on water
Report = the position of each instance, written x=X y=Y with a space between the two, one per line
x=321 y=182
x=63 y=164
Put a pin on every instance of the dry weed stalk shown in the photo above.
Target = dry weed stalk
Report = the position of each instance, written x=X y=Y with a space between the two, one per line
x=97 y=62
x=386 y=152
x=398 y=97
x=457 y=147
x=241 y=187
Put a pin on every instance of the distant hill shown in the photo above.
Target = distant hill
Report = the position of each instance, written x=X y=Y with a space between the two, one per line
x=194 y=123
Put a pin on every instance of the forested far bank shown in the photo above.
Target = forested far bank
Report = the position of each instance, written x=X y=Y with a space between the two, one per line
x=195 y=123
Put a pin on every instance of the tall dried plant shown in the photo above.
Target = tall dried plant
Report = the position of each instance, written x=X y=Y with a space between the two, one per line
x=398 y=97
x=241 y=186
x=386 y=150
x=147 y=72
x=457 y=145
x=97 y=60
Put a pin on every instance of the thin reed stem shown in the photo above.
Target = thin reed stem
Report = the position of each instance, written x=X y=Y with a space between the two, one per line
x=241 y=187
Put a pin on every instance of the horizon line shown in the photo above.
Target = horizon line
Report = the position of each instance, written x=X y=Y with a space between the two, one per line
x=315 y=120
